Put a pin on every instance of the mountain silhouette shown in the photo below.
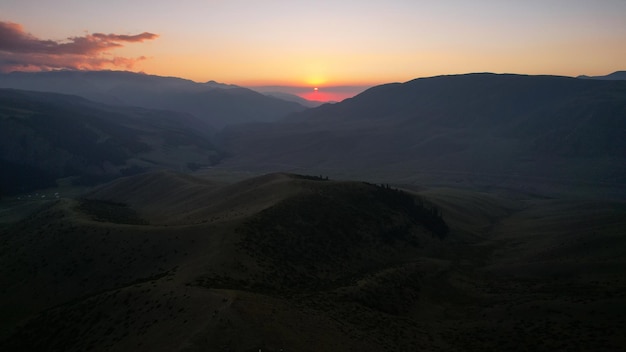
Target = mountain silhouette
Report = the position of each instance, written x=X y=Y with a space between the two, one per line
x=218 y=104
x=615 y=76
x=464 y=128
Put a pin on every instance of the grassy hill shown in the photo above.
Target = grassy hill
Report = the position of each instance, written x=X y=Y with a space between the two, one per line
x=55 y=136
x=303 y=263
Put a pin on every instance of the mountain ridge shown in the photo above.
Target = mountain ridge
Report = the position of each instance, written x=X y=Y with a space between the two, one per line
x=533 y=127
x=617 y=75
x=216 y=103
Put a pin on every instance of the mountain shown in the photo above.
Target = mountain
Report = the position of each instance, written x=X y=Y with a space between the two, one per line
x=218 y=104
x=302 y=263
x=476 y=129
x=46 y=136
x=615 y=76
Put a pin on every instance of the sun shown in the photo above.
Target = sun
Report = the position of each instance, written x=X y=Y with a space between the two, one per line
x=315 y=89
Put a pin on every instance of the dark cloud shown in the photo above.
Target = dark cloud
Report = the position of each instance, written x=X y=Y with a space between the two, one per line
x=20 y=50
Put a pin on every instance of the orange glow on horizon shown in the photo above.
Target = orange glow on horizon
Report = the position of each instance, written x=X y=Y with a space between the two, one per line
x=333 y=93
x=320 y=95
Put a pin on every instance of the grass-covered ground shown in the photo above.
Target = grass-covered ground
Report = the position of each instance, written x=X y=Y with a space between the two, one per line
x=292 y=263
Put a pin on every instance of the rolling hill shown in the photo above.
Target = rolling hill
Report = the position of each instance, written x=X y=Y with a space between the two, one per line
x=217 y=104
x=46 y=136
x=476 y=129
x=294 y=262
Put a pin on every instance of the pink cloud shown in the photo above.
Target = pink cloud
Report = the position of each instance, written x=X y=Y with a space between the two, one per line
x=127 y=38
x=20 y=50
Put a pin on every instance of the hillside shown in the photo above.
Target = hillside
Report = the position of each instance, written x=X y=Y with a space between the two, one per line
x=214 y=103
x=183 y=199
x=110 y=252
x=304 y=263
x=477 y=130
x=46 y=136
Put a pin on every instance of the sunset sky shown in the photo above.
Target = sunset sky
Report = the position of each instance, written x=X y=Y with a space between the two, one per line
x=312 y=44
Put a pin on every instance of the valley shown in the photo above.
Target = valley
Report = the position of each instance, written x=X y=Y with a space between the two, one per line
x=475 y=212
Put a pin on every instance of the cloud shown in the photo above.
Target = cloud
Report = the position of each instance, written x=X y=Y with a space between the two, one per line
x=127 y=38
x=22 y=51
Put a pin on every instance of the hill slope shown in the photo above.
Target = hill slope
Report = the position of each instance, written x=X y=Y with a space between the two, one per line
x=494 y=129
x=171 y=198
x=54 y=136
x=224 y=264
x=325 y=265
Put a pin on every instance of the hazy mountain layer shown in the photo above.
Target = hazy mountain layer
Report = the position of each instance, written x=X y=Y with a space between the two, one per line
x=294 y=98
x=46 y=136
x=469 y=129
x=615 y=76
x=215 y=103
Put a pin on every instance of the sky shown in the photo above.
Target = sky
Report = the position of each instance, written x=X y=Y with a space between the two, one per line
x=339 y=47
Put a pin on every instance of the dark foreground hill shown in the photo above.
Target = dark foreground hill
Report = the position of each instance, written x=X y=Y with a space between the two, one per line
x=46 y=136
x=472 y=129
x=301 y=263
x=215 y=103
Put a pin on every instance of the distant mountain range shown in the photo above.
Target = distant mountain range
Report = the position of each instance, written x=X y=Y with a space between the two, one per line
x=46 y=136
x=475 y=129
x=615 y=76
x=218 y=104
x=509 y=129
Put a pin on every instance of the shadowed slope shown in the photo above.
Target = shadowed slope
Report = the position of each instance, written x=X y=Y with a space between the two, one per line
x=87 y=267
x=172 y=198
x=68 y=136
x=312 y=265
x=476 y=129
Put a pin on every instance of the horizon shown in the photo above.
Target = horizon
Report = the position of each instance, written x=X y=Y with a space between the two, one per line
x=321 y=94
x=326 y=44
